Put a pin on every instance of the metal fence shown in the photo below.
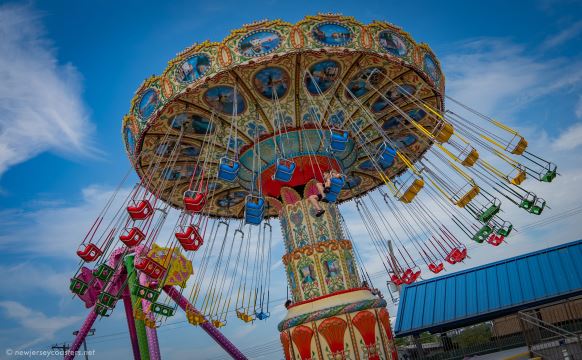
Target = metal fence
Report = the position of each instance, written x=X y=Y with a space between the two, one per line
x=549 y=332
x=554 y=332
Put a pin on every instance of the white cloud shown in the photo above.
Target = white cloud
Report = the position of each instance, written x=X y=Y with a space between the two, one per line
x=499 y=77
x=569 y=33
x=30 y=277
x=36 y=323
x=54 y=230
x=40 y=100
x=570 y=139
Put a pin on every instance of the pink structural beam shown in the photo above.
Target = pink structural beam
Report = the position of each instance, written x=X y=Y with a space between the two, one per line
x=81 y=334
x=214 y=333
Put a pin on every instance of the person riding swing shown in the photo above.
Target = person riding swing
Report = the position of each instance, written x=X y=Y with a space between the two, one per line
x=323 y=189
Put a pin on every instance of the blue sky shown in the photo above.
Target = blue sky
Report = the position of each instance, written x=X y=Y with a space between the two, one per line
x=68 y=71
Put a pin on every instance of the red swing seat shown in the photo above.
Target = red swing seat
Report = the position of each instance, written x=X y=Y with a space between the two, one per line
x=396 y=280
x=89 y=252
x=460 y=254
x=150 y=267
x=456 y=255
x=409 y=276
x=451 y=258
x=132 y=237
x=495 y=239
x=190 y=239
x=436 y=268
x=140 y=211
x=194 y=201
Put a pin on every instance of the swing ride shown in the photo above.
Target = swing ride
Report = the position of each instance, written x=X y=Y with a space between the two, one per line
x=236 y=135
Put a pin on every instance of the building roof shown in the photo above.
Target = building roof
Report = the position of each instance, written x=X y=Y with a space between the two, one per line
x=490 y=291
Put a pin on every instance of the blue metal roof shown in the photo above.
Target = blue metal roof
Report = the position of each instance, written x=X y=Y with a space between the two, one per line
x=490 y=291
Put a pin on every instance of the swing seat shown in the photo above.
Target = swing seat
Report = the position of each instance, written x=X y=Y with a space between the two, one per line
x=519 y=177
x=138 y=314
x=284 y=170
x=495 y=239
x=396 y=279
x=140 y=211
x=194 y=201
x=89 y=252
x=469 y=195
x=456 y=255
x=444 y=132
x=471 y=158
x=254 y=209
x=336 y=185
x=450 y=258
x=409 y=276
x=103 y=310
x=163 y=310
x=150 y=267
x=262 y=315
x=460 y=254
x=436 y=268
x=490 y=212
x=386 y=153
x=228 y=169
x=338 y=139
x=218 y=324
x=150 y=323
x=104 y=272
x=132 y=237
x=412 y=191
x=538 y=206
x=247 y=318
x=146 y=293
x=78 y=286
x=520 y=146
x=190 y=239
x=482 y=233
x=550 y=173
x=505 y=230
x=195 y=318
x=107 y=299
x=526 y=203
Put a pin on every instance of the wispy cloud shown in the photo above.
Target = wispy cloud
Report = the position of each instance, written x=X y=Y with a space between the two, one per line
x=57 y=228
x=578 y=108
x=570 y=139
x=32 y=278
x=501 y=77
x=569 y=33
x=40 y=99
x=36 y=323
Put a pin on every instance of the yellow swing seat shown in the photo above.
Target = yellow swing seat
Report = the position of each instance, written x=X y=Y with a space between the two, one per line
x=469 y=195
x=412 y=191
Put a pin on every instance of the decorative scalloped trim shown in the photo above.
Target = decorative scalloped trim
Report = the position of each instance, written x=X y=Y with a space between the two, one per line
x=331 y=311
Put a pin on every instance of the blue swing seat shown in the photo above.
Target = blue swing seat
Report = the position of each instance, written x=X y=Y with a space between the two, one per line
x=262 y=315
x=228 y=169
x=338 y=139
x=284 y=170
x=334 y=190
x=386 y=153
x=254 y=209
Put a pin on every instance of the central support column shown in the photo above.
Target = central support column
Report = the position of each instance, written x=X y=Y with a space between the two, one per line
x=332 y=316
